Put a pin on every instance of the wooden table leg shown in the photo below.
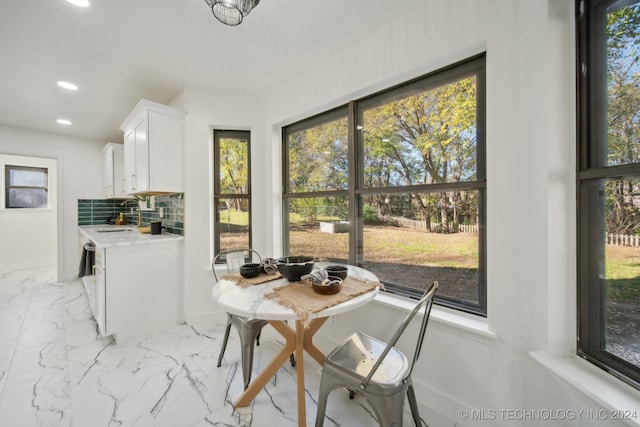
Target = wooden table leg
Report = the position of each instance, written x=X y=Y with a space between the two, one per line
x=304 y=341
x=270 y=370
x=299 y=340
x=308 y=340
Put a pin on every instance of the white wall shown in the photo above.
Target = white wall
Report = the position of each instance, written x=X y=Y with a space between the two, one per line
x=530 y=197
x=208 y=110
x=29 y=235
x=79 y=175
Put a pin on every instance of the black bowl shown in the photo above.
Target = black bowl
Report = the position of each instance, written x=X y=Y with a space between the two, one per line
x=250 y=270
x=337 y=270
x=294 y=267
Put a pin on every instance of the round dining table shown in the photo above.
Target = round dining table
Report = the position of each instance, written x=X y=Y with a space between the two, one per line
x=253 y=301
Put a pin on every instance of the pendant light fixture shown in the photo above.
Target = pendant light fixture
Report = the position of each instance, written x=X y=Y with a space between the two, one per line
x=231 y=12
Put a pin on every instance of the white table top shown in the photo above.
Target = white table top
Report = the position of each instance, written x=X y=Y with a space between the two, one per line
x=251 y=301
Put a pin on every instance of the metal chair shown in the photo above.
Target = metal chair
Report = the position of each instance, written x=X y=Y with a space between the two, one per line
x=376 y=370
x=248 y=328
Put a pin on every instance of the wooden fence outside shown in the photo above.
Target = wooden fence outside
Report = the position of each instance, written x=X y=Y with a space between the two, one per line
x=435 y=226
x=611 y=239
x=622 y=240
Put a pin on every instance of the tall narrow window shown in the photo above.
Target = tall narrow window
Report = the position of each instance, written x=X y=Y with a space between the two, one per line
x=395 y=182
x=26 y=187
x=609 y=186
x=232 y=189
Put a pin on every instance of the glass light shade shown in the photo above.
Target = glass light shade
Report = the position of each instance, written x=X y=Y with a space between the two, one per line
x=231 y=12
x=228 y=11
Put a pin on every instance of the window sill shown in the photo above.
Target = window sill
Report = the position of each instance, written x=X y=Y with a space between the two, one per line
x=615 y=397
x=468 y=325
x=22 y=211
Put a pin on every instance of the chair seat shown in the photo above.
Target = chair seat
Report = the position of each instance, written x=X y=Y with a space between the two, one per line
x=376 y=370
x=354 y=358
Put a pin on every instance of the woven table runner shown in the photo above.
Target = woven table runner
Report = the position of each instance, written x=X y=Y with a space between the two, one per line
x=245 y=282
x=301 y=298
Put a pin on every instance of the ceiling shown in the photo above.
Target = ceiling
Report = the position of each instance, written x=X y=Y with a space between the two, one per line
x=120 y=51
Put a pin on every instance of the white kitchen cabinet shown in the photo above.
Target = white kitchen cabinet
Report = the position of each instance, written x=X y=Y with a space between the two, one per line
x=113 y=171
x=143 y=289
x=153 y=149
x=136 y=288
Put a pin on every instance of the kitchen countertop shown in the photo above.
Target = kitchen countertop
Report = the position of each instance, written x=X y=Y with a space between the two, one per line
x=105 y=236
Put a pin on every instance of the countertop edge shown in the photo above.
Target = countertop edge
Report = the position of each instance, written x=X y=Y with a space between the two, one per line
x=123 y=238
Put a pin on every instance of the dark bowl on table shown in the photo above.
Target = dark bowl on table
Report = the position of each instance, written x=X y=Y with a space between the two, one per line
x=333 y=286
x=294 y=267
x=250 y=270
x=337 y=270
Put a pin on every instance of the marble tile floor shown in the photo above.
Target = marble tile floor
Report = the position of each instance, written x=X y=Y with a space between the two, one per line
x=56 y=371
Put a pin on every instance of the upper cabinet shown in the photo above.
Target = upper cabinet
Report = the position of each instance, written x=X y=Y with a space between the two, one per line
x=113 y=171
x=153 y=149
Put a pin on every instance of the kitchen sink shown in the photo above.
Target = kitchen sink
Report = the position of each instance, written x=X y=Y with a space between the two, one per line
x=114 y=231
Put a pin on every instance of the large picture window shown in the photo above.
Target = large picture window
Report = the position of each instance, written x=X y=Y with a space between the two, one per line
x=232 y=190
x=395 y=183
x=609 y=186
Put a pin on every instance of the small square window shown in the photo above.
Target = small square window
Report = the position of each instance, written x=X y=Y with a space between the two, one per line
x=26 y=187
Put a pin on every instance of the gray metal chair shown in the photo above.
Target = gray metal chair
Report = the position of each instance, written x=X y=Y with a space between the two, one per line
x=376 y=370
x=248 y=328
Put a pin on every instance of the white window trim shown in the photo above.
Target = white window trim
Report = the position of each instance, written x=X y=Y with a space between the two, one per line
x=599 y=386
x=454 y=321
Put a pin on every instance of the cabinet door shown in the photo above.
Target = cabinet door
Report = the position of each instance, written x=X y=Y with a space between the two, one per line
x=129 y=161
x=100 y=292
x=107 y=172
x=142 y=157
x=118 y=171
x=166 y=135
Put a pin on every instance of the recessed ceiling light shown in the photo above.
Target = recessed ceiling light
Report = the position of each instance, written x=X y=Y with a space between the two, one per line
x=64 y=122
x=67 y=85
x=79 y=3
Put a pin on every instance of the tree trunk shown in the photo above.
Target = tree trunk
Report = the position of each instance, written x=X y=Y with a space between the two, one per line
x=444 y=216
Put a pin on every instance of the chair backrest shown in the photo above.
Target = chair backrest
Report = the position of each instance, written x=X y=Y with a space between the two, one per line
x=426 y=301
x=233 y=259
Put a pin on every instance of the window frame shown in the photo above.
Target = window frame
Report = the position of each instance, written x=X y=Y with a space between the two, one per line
x=8 y=186
x=473 y=66
x=287 y=195
x=219 y=134
x=592 y=128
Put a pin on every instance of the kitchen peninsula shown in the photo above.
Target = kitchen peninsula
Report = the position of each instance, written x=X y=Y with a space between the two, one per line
x=135 y=282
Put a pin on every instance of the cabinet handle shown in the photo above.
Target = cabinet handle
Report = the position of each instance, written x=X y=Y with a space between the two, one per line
x=134 y=181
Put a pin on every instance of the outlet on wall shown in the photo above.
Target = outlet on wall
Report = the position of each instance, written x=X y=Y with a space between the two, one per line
x=161 y=212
